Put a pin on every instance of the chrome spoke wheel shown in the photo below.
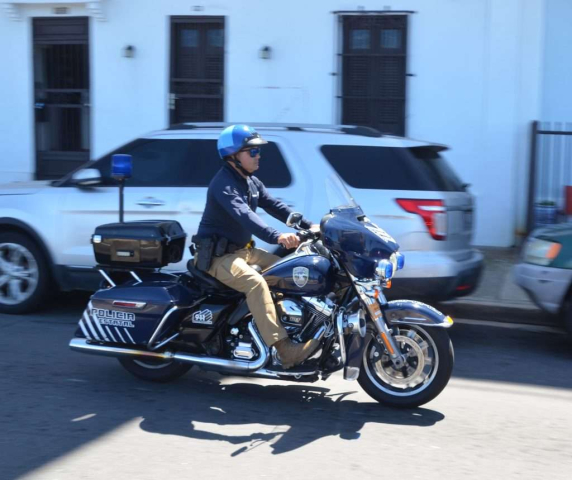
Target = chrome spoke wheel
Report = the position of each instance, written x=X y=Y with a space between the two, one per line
x=421 y=362
x=19 y=274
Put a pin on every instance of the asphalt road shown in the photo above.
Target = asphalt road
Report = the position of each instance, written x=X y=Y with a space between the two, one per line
x=506 y=413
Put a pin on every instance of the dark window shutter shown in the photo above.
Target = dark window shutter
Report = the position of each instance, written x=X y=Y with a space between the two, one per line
x=374 y=71
x=61 y=94
x=197 y=69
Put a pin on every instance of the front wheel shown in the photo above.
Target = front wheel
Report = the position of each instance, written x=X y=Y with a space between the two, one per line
x=155 y=370
x=429 y=364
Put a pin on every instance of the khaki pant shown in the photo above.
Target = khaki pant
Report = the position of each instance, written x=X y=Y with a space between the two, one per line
x=234 y=271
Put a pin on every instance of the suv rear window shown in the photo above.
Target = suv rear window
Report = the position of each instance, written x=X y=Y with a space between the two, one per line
x=390 y=168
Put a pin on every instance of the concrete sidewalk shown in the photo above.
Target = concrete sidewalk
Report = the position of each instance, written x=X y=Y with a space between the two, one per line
x=498 y=298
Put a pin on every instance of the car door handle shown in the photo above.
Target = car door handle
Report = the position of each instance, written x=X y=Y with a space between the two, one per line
x=151 y=202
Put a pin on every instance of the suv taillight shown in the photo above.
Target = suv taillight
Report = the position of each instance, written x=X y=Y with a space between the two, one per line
x=433 y=213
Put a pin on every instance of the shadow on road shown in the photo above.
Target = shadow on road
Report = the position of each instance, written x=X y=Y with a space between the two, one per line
x=57 y=415
x=292 y=415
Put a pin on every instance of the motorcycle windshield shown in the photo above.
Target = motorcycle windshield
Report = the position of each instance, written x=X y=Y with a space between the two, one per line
x=339 y=198
x=357 y=242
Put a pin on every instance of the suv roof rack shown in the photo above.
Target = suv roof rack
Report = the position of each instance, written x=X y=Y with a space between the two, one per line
x=295 y=127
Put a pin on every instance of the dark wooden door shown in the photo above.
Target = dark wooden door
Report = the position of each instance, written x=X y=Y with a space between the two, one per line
x=61 y=93
x=197 y=69
x=374 y=71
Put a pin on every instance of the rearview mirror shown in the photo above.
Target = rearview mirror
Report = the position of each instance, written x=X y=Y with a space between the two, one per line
x=294 y=219
x=87 y=177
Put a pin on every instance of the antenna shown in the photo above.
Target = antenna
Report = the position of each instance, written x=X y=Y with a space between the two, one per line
x=121 y=170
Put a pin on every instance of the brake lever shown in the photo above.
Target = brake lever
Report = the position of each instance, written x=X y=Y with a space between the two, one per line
x=304 y=235
x=308 y=235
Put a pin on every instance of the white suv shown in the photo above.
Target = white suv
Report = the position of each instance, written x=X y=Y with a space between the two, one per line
x=403 y=185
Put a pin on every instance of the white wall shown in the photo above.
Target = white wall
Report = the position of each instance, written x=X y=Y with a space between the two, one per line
x=528 y=102
x=17 y=161
x=557 y=88
x=476 y=87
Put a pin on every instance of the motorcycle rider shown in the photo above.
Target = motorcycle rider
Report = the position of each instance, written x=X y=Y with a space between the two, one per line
x=224 y=244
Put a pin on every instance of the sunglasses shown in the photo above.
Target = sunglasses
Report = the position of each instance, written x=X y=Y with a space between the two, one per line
x=253 y=151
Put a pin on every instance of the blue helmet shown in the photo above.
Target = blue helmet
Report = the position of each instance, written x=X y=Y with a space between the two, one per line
x=236 y=138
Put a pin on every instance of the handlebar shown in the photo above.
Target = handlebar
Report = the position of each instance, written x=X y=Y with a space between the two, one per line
x=308 y=235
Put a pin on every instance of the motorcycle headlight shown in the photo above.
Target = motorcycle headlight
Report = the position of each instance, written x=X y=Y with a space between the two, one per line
x=400 y=260
x=540 y=252
x=384 y=269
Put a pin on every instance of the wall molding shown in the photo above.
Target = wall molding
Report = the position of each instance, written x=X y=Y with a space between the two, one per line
x=95 y=8
x=14 y=9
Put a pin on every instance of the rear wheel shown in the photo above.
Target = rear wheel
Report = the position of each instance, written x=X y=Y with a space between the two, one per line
x=24 y=274
x=429 y=364
x=155 y=370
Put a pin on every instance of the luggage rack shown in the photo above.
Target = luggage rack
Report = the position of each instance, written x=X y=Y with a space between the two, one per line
x=111 y=282
x=362 y=131
x=136 y=277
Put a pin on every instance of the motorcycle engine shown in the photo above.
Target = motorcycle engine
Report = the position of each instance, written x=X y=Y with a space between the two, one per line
x=302 y=318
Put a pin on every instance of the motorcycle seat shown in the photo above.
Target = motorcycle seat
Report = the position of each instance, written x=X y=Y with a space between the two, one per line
x=204 y=278
x=208 y=280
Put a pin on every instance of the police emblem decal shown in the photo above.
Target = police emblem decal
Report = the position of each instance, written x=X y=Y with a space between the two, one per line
x=204 y=317
x=300 y=275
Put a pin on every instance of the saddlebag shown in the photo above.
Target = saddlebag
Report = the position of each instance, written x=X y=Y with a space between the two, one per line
x=135 y=313
x=142 y=244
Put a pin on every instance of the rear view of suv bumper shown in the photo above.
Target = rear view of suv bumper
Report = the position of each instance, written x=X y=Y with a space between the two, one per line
x=437 y=276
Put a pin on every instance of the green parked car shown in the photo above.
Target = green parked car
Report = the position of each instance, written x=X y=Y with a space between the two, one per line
x=545 y=270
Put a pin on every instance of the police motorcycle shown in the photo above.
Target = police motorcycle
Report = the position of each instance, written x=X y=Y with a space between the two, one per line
x=159 y=324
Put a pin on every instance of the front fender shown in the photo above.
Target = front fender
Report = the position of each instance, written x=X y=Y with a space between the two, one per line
x=397 y=312
x=410 y=312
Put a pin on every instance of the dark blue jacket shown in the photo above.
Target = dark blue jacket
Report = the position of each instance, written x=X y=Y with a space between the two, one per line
x=231 y=205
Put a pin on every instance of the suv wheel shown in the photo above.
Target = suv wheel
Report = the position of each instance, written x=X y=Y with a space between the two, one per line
x=24 y=275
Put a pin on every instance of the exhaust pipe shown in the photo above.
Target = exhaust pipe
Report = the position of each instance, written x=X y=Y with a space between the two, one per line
x=81 y=345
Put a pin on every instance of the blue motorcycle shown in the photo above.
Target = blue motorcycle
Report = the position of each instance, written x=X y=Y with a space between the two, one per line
x=160 y=324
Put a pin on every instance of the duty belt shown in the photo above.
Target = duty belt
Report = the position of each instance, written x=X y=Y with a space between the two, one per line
x=233 y=248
